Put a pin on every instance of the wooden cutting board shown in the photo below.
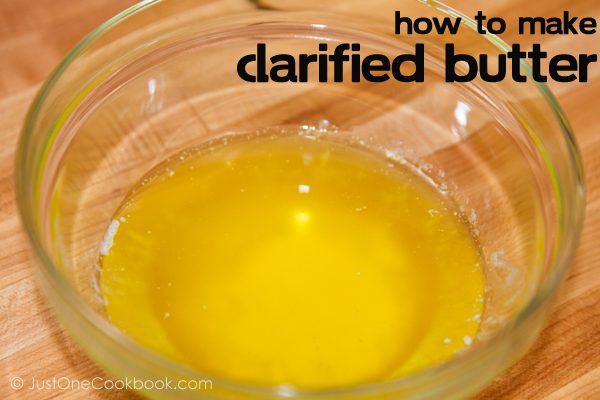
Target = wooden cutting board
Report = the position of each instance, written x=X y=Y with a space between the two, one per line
x=564 y=363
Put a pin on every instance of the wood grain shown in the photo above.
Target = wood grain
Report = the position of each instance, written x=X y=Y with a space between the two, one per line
x=35 y=34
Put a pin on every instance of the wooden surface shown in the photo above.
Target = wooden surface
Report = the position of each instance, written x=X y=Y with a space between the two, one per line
x=35 y=34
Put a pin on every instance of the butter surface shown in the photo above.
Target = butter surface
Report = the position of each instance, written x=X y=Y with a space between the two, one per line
x=284 y=259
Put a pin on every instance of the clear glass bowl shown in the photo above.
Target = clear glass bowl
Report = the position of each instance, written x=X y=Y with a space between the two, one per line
x=161 y=77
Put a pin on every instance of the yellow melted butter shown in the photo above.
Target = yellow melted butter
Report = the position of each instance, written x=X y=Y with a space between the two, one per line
x=283 y=259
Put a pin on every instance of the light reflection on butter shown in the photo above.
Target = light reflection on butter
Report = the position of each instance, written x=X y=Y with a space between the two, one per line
x=302 y=218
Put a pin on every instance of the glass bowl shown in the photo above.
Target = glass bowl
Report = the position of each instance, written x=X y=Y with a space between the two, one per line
x=161 y=76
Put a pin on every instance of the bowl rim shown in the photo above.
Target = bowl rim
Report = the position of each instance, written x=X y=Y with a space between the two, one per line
x=70 y=296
